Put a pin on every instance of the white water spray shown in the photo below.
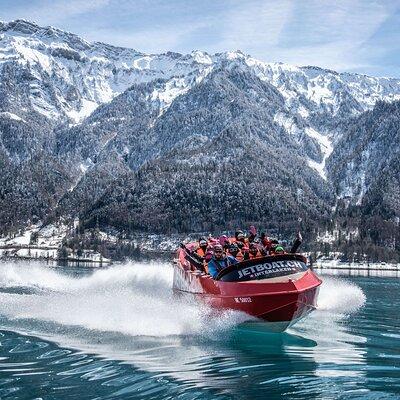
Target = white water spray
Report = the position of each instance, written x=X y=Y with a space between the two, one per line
x=340 y=296
x=133 y=299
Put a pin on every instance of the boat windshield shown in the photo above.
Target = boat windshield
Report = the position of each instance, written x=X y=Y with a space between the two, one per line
x=264 y=268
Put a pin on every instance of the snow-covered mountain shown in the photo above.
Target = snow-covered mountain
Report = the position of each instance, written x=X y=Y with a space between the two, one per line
x=84 y=75
x=89 y=118
x=65 y=77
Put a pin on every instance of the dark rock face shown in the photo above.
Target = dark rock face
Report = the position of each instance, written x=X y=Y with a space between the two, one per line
x=364 y=163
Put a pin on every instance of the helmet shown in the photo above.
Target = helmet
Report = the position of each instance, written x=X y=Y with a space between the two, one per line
x=218 y=247
x=234 y=250
x=208 y=255
x=239 y=234
x=213 y=242
x=223 y=240
x=253 y=230
x=253 y=247
x=279 y=249
x=203 y=241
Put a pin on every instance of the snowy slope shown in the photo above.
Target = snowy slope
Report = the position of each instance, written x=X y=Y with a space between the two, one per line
x=84 y=75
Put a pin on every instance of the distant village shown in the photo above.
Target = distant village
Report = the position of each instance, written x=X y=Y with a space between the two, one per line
x=49 y=243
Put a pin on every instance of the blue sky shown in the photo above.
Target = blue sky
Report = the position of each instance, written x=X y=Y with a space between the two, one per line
x=344 y=35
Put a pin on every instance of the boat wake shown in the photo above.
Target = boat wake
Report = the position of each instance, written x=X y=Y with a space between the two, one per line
x=133 y=299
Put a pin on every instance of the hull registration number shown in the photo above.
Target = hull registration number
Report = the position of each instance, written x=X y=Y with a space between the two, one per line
x=243 y=300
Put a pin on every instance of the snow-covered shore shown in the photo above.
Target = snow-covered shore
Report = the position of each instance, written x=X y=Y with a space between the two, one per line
x=37 y=242
x=336 y=264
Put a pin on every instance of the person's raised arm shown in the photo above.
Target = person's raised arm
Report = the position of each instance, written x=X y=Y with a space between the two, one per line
x=297 y=242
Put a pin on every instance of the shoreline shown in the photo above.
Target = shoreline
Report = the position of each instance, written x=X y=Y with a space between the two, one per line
x=145 y=255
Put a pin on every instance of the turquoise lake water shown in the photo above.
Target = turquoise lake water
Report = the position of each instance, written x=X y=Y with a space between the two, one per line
x=118 y=333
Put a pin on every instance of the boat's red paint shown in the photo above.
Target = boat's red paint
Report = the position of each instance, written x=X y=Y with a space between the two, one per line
x=282 y=301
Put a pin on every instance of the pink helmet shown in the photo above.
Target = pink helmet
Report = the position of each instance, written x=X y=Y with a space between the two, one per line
x=209 y=254
x=223 y=240
x=213 y=242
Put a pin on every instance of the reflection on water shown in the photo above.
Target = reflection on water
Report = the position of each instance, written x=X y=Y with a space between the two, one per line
x=118 y=333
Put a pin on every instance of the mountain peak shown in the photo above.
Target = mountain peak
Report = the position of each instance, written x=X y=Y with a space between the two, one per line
x=20 y=25
x=31 y=29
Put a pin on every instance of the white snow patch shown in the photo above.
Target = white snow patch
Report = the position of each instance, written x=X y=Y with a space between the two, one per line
x=319 y=93
x=201 y=57
x=319 y=167
x=326 y=149
x=328 y=236
x=172 y=89
x=22 y=239
x=83 y=167
x=87 y=107
x=331 y=236
x=363 y=188
x=286 y=122
x=11 y=116
x=303 y=112
x=142 y=63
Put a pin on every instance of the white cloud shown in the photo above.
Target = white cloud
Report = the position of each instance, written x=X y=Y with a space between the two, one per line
x=316 y=32
x=255 y=23
x=47 y=12
x=154 y=40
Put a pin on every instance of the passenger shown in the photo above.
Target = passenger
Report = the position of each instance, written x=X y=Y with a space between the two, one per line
x=266 y=242
x=207 y=258
x=219 y=261
x=212 y=241
x=246 y=253
x=297 y=243
x=273 y=244
x=278 y=250
x=202 y=248
x=224 y=242
x=252 y=234
x=209 y=254
x=254 y=251
x=240 y=238
x=234 y=251
x=211 y=238
x=196 y=262
x=263 y=251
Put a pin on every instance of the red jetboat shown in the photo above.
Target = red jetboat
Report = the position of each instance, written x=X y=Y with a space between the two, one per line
x=280 y=289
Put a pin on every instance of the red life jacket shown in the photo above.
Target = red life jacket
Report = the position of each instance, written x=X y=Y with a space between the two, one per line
x=200 y=252
x=239 y=256
x=257 y=255
x=266 y=242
